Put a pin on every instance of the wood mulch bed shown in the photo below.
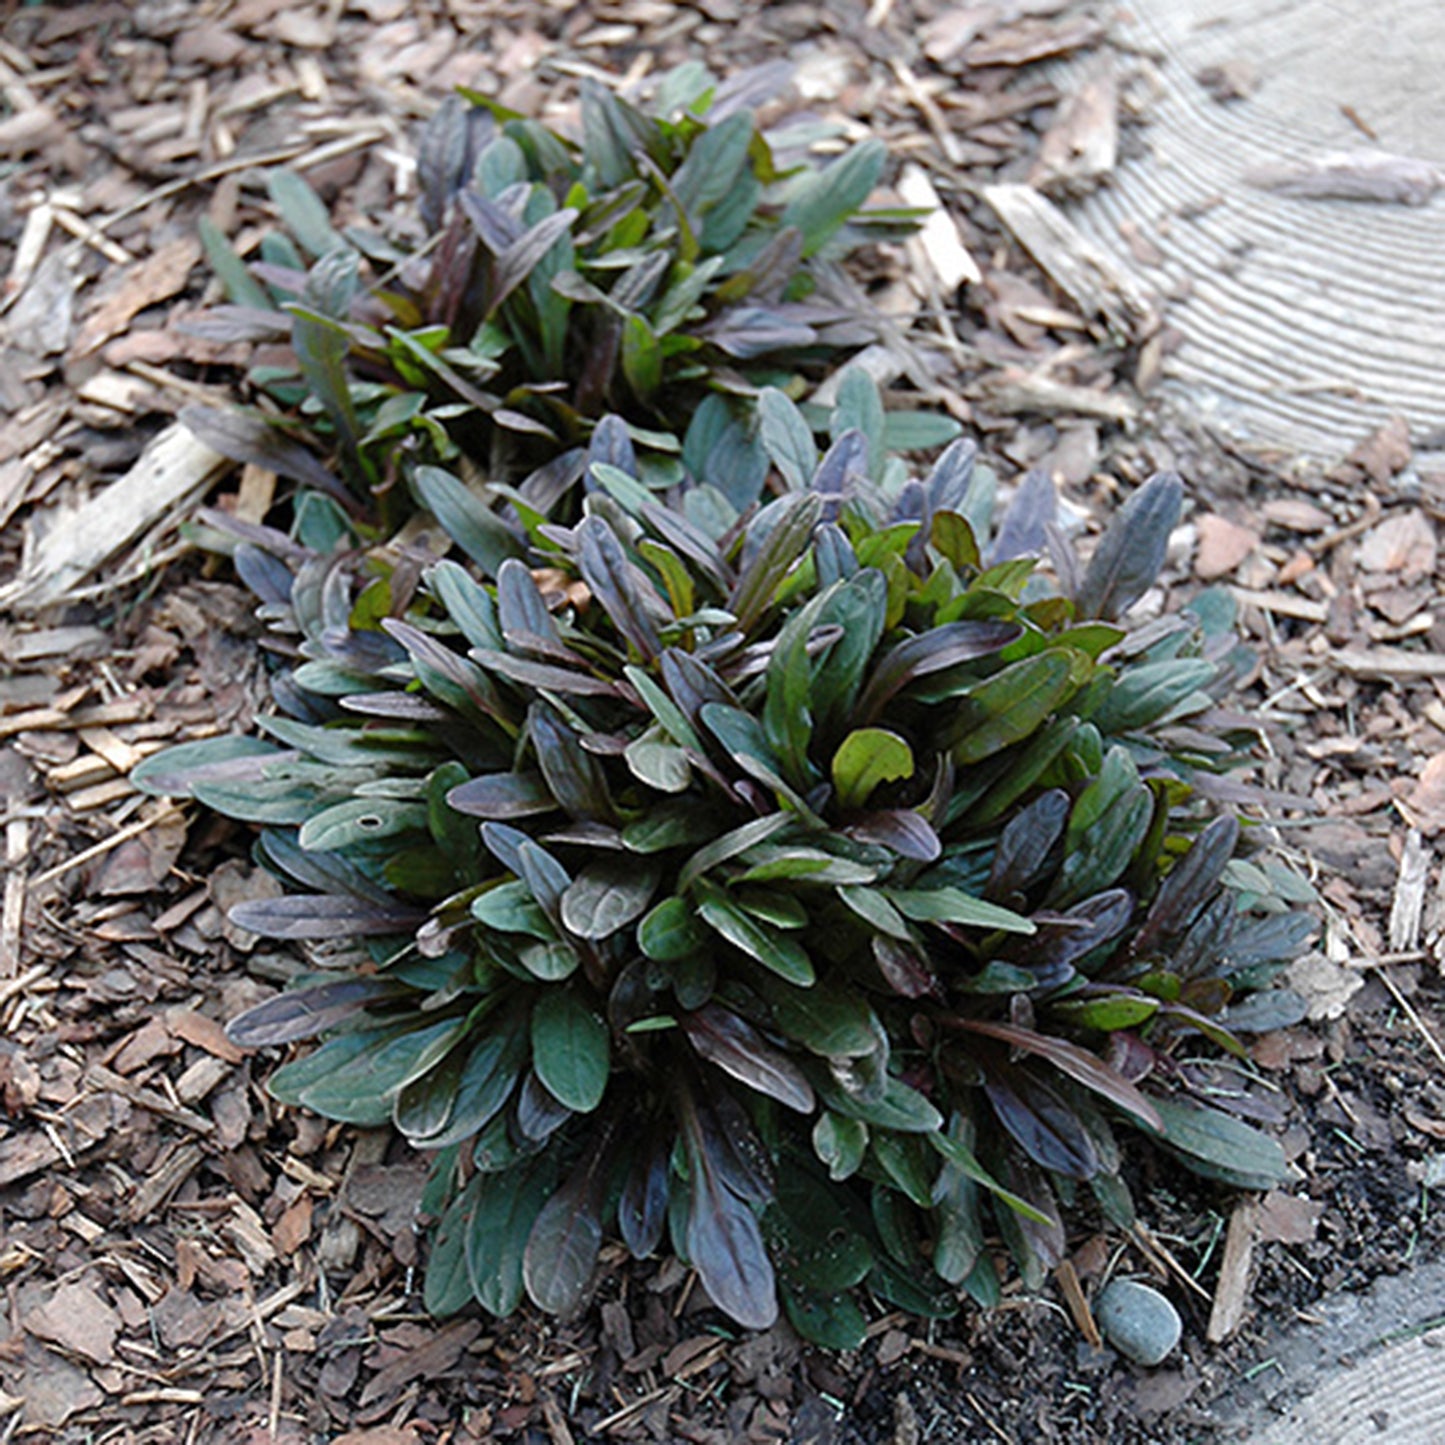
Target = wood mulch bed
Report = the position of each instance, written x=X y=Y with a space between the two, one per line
x=185 y=1261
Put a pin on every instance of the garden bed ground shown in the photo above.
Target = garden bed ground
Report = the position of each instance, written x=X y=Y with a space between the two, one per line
x=183 y=1261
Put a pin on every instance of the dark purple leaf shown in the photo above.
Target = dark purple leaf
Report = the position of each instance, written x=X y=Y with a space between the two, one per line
x=722 y=1038
x=904 y=968
x=753 y=331
x=539 y=1112
x=749 y=89
x=502 y=795
x=521 y=257
x=1079 y=1064
x=564 y=1243
x=723 y=1239
x=933 y=651
x=268 y=539
x=1191 y=884
x=521 y=608
x=244 y=438
x=306 y=1012
x=1061 y=938
x=900 y=829
x=545 y=487
x=1025 y=844
x=544 y=676
x=236 y=323
x=1040 y=1119
x=447 y=154
x=1023 y=531
x=693 y=684
x=642 y=1209
x=952 y=472
x=619 y=587
x=1132 y=549
x=322 y=915
x=401 y=706
x=428 y=654
x=775 y=265
x=843 y=465
x=264 y=573
x=611 y=443
x=573 y=775
x=495 y=226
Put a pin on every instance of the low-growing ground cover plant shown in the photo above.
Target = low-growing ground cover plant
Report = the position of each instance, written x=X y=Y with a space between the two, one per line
x=662 y=268
x=811 y=886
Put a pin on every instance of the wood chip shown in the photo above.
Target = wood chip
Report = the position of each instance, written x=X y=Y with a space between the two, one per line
x=938 y=242
x=1408 y=904
x=1231 y=1294
x=1091 y=279
x=1081 y=146
x=173 y=469
x=1385 y=664
x=1223 y=545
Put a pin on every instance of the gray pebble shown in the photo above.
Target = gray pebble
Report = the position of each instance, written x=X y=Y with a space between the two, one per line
x=1138 y=1321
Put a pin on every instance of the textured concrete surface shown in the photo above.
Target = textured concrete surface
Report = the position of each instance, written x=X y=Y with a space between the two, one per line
x=1306 y=322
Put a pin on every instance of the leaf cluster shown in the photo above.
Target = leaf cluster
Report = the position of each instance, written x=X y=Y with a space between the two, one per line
x=814 y=884
x=677 y=252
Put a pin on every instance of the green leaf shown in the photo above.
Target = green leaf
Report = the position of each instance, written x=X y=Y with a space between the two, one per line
x=670 y=932
x=1012 y=704
x=468 y=521
x=830 y=1021
x=1107 y=1013
x=953 y=905
x=641 y=357
x=502 y=1211
x=606 y=896
x=1219 y=1146
x=570 y=1049
x=821 y=201
x=787 y=438
x=729 y=845
x=660 y=765
x=304 y=213
x=865 y=759
x=447 y=1287
x=957 y=1153
x=231 y=271
x=840 y=1143
x=355 y=1078
x=770 y=946
x=174 y=771
x=898 y=1107
x=832 y=1322
x=859 y=407
x=511 y=908
x=358 y=821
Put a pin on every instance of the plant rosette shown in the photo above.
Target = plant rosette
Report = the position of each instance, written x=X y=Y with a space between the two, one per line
x=812 y=888
x=662 y=269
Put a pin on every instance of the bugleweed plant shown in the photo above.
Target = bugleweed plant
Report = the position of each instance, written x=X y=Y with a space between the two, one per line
x=813 y=891
x=666 y=266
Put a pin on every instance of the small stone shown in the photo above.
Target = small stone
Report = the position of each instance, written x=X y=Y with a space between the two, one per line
x=1138 y=1321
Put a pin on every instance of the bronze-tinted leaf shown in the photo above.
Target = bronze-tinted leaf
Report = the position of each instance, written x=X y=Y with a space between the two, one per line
x=724 y=1039
x=1132 y=549
x=321 y=915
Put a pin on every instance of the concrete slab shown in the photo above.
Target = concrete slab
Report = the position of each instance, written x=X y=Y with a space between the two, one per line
x=1306 y=323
